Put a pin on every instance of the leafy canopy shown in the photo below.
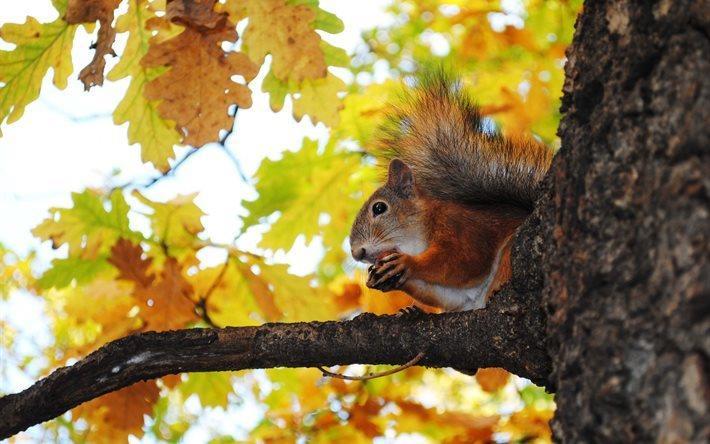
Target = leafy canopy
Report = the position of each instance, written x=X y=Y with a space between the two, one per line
x=183 y=86
x=127 y=263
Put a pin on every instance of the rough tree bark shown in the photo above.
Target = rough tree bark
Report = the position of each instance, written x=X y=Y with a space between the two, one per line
x=626 y=227
x=608 y=305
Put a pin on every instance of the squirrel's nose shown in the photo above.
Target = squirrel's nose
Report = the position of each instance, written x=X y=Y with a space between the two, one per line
x=358 y=253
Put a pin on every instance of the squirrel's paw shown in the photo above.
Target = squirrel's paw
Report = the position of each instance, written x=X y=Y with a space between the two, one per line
x=390 y=272
x=412 y=310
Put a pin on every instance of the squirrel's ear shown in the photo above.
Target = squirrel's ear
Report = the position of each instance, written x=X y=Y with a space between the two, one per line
x=400 y=178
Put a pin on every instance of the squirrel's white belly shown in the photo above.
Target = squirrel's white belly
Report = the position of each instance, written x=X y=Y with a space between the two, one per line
x=459 y=299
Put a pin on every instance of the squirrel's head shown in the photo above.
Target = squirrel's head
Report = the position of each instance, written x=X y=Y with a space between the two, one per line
x=388 y=220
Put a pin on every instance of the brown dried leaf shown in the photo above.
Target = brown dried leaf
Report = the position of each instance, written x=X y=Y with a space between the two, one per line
x=492 y=379
x=165 y=304
x=195 y=13
x=127 y=258
x=116 y=415
x=197 y=90
x=83 y=11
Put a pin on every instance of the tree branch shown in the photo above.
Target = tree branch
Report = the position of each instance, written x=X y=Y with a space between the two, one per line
x=506 y=334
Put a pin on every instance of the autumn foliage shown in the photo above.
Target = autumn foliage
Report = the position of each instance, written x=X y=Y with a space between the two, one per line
x=127 y=263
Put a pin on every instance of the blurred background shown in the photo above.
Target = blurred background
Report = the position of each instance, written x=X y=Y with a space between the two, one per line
x=257 y=226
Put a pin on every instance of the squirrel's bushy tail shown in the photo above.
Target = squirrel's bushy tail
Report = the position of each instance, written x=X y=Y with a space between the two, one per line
x=438 y=131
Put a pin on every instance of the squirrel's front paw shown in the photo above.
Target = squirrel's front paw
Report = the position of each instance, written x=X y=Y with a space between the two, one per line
x=389 y=273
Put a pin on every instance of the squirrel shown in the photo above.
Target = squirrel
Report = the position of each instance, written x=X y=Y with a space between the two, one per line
x=440 y=228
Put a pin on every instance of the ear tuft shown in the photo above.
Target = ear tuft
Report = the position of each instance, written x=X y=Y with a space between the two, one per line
x=400 y=178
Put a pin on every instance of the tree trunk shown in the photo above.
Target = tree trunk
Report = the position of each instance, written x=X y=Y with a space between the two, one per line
x=626 y=227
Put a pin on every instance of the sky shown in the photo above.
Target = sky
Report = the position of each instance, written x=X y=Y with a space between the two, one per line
x=66 y=141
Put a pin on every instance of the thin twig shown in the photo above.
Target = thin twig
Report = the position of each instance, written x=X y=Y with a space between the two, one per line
x=201 y=305
x=373 y=375
x=235 y=161
x=223 y=146
x=158 y=178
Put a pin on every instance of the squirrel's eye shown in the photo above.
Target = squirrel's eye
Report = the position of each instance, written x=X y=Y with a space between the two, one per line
x=379 y=208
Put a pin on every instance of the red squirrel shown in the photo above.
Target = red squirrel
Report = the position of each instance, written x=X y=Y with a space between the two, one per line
x=440 y=228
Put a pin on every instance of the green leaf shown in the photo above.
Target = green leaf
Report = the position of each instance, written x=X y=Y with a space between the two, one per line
x=335 y=56
x=88 y=227
x=39 y=47
x=325 y=21
x=305 y=187
x=232 y=300
x=328 y=22
x=277 y=90
x=64 y=271
x=212 y=389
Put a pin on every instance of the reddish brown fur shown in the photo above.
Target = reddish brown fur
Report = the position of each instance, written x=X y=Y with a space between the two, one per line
x=463 y=242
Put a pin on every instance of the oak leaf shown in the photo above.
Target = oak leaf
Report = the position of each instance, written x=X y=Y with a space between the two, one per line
x=71 y=269
x=128 y=259
x=165 y=303
x=89 y=228
x=236 y=295
x=157 y=136
x=306 y=187
x=89 y=11
x=175 y=224
x=286 y=32
x=95 y=314
x=197 y=89
x=319 y=100
x=196 y=14
x=116 y=415
x=300 y=58
x=39 y=47
x=212 y=389
x=492 y=379
x=530 y=422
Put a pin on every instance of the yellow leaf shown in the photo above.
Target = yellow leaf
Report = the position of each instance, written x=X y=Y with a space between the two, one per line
x=296 y=296
x=175 y=223
x=530 y=423
x=156 y=135
x=101 y=311
x=212 y=389
x=40 y=46
x=364 y=112
x=229 y=297
x=284 y=31
x=300 y=58
x=319 y=99
x=350 y=292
